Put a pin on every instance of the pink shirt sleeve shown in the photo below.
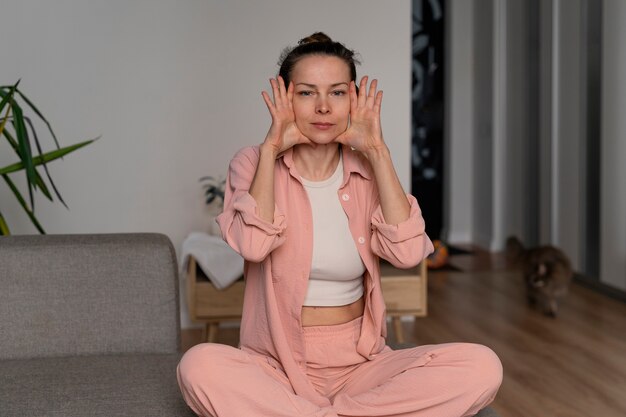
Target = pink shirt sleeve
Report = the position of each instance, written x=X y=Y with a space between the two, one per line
x=242 y=228
x=404 y=245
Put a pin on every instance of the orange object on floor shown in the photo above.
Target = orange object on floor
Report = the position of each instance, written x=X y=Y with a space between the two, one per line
x=439 y=258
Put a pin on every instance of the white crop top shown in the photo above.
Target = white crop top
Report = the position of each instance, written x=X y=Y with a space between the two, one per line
x=336 y=277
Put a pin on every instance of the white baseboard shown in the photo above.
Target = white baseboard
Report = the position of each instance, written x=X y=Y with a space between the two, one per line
x=405 y=319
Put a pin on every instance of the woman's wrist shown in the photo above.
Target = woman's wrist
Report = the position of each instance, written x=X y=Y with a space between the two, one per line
x=378 y=154
x=268 y=151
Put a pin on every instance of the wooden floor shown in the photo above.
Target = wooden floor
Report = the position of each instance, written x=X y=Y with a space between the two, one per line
x=571 y=366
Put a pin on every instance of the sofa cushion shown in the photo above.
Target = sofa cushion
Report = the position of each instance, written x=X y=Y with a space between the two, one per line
x=92 y=386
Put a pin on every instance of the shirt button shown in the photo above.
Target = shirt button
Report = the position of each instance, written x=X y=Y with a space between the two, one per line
x=361 y=240
x=345 y=197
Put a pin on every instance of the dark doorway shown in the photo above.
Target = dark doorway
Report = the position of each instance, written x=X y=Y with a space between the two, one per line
x=427 y=158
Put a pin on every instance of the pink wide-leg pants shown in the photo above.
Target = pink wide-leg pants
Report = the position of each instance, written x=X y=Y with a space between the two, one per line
x=447 y=380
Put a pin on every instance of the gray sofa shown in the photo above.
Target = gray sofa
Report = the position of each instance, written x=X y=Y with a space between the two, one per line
x=89 y=326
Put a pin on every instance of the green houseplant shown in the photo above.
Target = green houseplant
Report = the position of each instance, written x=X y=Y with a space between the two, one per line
x=18 y=129
x=214 y=188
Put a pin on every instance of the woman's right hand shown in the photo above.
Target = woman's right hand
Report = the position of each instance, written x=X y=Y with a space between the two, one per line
x=284 y=132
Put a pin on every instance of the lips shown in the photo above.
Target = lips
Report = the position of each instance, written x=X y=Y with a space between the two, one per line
x=322 y=125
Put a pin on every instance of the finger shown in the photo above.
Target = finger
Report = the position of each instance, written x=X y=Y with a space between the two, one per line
x=275 y=90
x=290 y=94
x=279 y=93
x=353 y=96
x=371 y=95
x=378 y=102
x=268 y=101
x=362 y=93
x=281 y=85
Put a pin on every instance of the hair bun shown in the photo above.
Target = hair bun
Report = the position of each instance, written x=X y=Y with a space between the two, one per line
x=316 y=37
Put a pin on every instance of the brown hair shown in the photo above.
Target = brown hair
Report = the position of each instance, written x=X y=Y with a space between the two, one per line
x=316 y=44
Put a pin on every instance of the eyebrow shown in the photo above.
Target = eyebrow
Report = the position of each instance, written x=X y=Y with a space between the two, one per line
x=314 y=86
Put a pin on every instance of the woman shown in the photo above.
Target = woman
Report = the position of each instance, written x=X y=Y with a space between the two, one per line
x=311 y=210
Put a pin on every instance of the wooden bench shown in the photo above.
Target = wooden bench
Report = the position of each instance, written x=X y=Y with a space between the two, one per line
x=405 y=293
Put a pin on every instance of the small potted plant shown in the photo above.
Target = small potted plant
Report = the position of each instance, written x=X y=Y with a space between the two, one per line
x=214 y=197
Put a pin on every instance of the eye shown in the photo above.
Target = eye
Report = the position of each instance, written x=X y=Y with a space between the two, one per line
x=339 y=93
x=305 y=93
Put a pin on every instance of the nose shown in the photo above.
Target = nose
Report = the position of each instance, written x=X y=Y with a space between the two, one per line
x=322 y=106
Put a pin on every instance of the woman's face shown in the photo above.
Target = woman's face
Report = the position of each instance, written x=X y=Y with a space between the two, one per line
x=321 y=103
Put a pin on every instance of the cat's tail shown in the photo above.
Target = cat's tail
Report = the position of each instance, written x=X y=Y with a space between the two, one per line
x=514 y=250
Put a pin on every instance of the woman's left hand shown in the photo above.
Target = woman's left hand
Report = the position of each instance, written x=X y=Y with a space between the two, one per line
x=364 y=133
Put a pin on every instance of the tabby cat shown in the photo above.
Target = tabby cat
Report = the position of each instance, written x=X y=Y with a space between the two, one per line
x=547 y=273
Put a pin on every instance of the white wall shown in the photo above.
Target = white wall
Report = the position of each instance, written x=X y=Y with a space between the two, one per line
x=173 y=88
x=613 y=174
x=459 y=120
x=483 y=124
x=568 y=160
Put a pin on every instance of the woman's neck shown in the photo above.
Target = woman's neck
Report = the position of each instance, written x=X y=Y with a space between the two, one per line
x=317 y=162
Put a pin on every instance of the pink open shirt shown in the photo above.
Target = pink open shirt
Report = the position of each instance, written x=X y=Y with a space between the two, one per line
x=278 y=257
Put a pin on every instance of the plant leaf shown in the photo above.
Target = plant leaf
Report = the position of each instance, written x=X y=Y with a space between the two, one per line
x=7 y=97
x=4 y=227
x=47 y=157
x=20 y=199
x=4 y=120
x=45 y=167
x=42 y=186
x=24 y=145
x=32 y=106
